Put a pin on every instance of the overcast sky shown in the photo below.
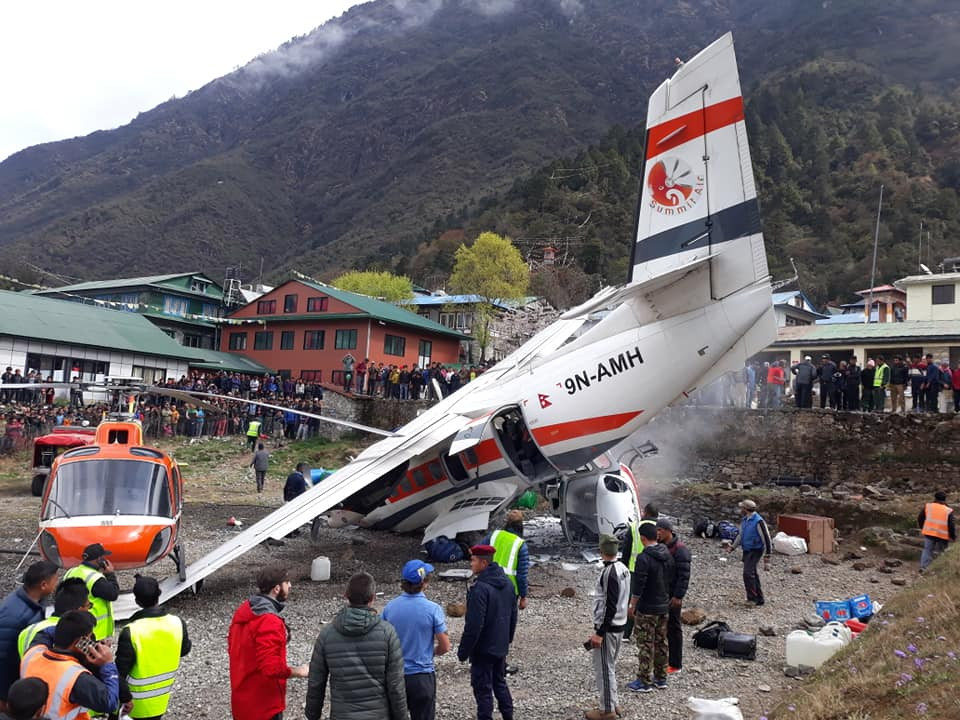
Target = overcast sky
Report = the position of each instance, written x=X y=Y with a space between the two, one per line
x=70 y=67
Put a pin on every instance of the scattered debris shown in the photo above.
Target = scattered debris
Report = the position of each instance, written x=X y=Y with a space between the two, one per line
x=764 y=688
x=455 y=574
x=693 y=616
x=233 y=522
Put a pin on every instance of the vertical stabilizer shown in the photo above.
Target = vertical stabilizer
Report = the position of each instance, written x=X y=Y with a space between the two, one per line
x=698 y=195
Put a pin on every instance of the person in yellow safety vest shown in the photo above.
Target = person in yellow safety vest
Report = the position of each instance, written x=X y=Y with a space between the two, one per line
x=97 y=573
x=253 y=432
x=937 y=526
x=71 y=594
x=79 y=671
x=632 y=547
x=512 y=554
x=881 y=378
x=149 y=652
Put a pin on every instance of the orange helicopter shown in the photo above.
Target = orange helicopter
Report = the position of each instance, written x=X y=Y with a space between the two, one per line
x=118 y=492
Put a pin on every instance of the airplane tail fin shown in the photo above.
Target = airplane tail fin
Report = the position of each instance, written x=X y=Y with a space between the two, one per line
x=698 y=197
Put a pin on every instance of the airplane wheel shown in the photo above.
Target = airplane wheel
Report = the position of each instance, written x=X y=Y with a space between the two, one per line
x=36 y=485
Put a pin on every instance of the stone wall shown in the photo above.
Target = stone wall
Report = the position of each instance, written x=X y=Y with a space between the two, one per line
x=903 y=453
x=375 y=412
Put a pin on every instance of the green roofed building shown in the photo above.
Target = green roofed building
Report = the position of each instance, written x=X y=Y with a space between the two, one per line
x=186 y=306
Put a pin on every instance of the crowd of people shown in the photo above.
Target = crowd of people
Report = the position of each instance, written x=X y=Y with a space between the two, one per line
x=876 y=386
x=404 y=382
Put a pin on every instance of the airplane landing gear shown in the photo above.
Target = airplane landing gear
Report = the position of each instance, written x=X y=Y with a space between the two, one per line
x=179 y=556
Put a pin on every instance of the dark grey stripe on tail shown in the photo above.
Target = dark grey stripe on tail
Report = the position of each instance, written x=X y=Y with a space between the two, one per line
x=734 y=222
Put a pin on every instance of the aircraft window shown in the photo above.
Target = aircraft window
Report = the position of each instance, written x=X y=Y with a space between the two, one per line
x=82 y=451
x=109 y=487
x=471 y=456
x=436 y=470
x=118 y=436
x=614 y=484
x=405 y=486
x=146 y=452
x=418 y=478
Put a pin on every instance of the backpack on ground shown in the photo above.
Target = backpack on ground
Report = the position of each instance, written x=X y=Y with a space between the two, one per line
x=708 y=636
x=727 y=530
x=443 y=550
x=705 y=528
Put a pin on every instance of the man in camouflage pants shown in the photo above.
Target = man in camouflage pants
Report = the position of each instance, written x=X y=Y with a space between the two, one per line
x=649 y=606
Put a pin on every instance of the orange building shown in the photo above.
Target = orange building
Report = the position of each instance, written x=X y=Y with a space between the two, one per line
x=306 y=329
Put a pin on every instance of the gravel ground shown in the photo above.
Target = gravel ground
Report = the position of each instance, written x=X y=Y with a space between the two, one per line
x=555 y=680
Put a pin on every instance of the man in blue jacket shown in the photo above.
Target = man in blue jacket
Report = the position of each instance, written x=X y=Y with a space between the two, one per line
x=754 y=538
x=488 y=630
x=18 y=610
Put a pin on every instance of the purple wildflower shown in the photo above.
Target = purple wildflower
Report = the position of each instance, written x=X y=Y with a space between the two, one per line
x=919 y=663
x=792 y=708
x=899 y=653
x=912 y=648
x=952 y=655
x=920 y=620
x=922 y=709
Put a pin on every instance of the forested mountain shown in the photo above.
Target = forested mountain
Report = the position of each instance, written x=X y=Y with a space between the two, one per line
x=377 y=132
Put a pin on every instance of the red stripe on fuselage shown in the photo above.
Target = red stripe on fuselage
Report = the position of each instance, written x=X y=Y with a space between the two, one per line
x=685 y=128
x=578 y=428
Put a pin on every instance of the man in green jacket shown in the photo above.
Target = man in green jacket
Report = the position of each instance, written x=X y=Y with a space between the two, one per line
x=361 y=655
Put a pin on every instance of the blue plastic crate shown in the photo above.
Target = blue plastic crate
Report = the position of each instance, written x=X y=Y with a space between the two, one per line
x=861 y=606
x=834 y=610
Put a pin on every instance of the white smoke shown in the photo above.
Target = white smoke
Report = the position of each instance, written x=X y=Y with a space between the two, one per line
x=387 y=17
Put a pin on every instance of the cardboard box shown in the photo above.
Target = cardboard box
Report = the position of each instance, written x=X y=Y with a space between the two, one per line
x=817 y=530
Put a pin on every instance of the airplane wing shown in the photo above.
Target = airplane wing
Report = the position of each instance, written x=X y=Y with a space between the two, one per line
x=467 y=519
x=374 y=462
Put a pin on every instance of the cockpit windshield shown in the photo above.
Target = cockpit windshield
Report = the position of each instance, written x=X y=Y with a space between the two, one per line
x=109 y=487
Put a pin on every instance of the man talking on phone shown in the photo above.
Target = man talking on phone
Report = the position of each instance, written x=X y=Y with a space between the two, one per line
x=79 y=671
x=97 y=573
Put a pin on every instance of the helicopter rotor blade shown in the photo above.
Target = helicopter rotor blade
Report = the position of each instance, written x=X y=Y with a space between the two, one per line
x=181 y=395
x=188 y=396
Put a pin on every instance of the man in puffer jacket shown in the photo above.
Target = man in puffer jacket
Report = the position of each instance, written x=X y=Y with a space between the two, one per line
x=362 y=656
x=257 y=645
x=649 y=606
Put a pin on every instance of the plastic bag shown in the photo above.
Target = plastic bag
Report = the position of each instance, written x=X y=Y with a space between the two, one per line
x=528 y=500
x=722 y=709
x=789 y=544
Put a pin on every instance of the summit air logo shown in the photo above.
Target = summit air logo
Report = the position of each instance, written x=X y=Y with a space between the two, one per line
x=674 y=188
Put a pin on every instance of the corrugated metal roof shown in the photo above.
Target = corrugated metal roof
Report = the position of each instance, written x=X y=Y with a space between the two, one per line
x=441 y=300
x=134 y=282
x=911 y=330
x=231 y=362
x=380 y=310
x=30 y=316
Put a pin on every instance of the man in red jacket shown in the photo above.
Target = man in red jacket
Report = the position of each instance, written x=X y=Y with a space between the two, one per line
x=257 y=644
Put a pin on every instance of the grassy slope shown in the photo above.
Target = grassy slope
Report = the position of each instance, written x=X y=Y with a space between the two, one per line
x=870 y=680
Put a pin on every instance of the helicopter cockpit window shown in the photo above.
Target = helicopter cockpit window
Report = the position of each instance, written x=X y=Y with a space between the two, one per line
x=109 y=487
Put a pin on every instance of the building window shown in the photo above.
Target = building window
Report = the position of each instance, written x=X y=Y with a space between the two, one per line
x=313 y=340
x=311 y=375
x=289 y=303
x=150 y=375
x=457 y=320
x=346 y=340
x=423 y=355
x=198 y=286
x=286 y=340
x=943 y=294
x=238 y=341
x=175 y=306
x=317 y=304
x=263 y=340
x=193 y=340
x=394 y=345
x=266 y=307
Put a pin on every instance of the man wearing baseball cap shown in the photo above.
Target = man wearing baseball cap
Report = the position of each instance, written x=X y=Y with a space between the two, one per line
x=488 y=630
x=98 y=574
x=422 y=629
x=754 y=538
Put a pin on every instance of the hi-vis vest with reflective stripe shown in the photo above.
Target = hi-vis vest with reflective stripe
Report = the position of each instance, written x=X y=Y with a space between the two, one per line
x=507 y=555
x=636 y=547
x=101 y=609
x=60 y=673
x=30 y=632
x=157 y=642
x=253 y=429
x=878 y=375
x=937 y=519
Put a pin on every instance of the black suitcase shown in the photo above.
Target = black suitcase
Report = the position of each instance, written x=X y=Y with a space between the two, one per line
x=737 y=645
